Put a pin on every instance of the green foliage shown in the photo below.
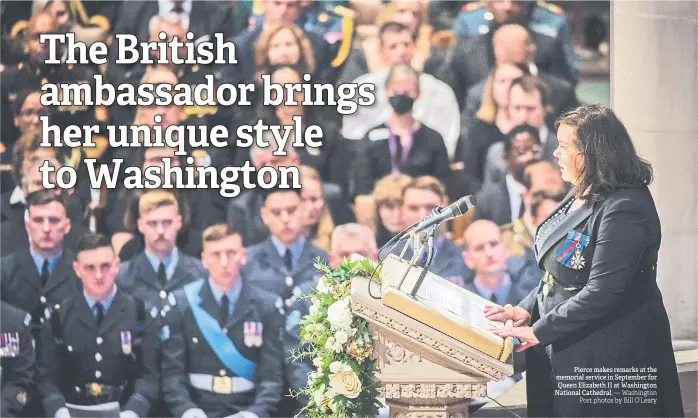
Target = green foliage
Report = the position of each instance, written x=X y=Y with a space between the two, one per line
x=339 y=344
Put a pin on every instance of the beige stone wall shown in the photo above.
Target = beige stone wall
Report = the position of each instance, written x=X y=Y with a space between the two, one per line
x=654 y=91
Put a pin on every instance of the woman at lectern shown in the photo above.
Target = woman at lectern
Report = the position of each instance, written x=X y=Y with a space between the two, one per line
x=595 y=331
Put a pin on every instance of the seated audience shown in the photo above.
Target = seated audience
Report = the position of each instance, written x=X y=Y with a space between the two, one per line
x=286 y=258
x=98 y=346
x=161 y=268
x=540 y=17
x=319 y=218
x=402 y=144
x=471 y=59
x=501 y=201
x=369 y=58
x=419 y=198
x=491 y=123
x=528 y=104
x=387 y=198
x=222 y=353
x=41 y=274
x=512 y=45
x=436 y=106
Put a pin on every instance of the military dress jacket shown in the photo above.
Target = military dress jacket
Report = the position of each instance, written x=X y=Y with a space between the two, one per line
x=17 y=360
x=21 y=283
x=81 y=363
x=222 y=370
x=599 y=305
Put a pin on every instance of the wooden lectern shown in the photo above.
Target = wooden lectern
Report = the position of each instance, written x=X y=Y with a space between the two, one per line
x=434 y=352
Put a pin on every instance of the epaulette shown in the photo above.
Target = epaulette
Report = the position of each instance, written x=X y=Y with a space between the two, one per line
x=18 y=28
x=551 y=7
x=347 y=35
x=344 y=11
x=474 y=6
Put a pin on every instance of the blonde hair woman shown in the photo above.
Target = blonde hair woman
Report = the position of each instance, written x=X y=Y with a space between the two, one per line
x=491 y=122
x=317 y=220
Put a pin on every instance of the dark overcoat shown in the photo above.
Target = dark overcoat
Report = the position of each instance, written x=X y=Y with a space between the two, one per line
x=602 y=310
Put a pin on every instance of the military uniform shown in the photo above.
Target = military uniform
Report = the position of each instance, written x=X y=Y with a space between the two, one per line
x=18 y=356
x=22 y=285
x=267 y=269
x=83 y=363
x=517 y=237
x=140 y=279
x=222 y=369
x=546 y=19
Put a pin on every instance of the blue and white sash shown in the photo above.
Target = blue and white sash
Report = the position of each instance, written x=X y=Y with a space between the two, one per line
x=219 y=342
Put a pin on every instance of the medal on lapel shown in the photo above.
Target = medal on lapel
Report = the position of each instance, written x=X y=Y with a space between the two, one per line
x=570 y=253
x=3 y=345
x=126 y=342
x=258 y=334
x=248 y=334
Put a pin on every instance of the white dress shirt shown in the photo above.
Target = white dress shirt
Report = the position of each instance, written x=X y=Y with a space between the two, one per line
x=515 y=190
x=167 y=5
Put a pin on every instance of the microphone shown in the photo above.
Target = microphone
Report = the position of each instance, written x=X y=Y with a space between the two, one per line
x=454 y=210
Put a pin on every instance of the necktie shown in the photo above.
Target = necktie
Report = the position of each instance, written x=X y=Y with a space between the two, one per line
x=522 y=207
x=162 y=275
x=288 y=260
x=99 y=313
x=177 y=8
x=225 y=306
x=493 y=298
x=44 y=273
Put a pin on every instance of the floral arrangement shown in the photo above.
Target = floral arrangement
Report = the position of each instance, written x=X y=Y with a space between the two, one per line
x=343 y=383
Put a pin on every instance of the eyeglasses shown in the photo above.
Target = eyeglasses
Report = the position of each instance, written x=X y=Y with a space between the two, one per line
x=32 y=112
x=535 y=149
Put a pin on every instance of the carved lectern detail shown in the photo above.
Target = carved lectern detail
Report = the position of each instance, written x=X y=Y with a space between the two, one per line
x=365 y=311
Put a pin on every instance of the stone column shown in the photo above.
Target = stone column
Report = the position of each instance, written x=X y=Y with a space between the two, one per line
x=653 y=90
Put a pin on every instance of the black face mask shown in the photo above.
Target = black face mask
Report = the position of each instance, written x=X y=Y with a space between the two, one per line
x=401 y=103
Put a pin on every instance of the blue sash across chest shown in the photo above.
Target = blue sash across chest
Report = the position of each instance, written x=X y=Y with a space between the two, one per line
x=218 y=340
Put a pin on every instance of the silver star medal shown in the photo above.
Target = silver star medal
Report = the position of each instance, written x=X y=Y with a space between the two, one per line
x=578 y=260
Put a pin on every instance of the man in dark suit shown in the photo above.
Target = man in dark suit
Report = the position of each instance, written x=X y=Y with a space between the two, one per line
x=419 y=198
x=98 y=346
x=501 y=200
x=471 y=60
x=41 y=275
x=161 y=268
x=346 y=240
x=222 y=351
x=18 y=360
x=286 y=258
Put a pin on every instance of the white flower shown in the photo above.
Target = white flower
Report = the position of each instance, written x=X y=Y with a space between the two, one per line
x=314 y=311
x=317 y=362
x=322 y=286
x=342 y=337
x=346 y=383
x=329 y=344
x=336 y=367
x=318 y=397
x=339 y=315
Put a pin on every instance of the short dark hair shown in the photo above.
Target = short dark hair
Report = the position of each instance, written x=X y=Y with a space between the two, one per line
x=92 y=241
x=610 y=159
x=394 y=27
x=278 y=189
x=538 y=198
x=44 y=197
x=520 y=129
x=531 y=83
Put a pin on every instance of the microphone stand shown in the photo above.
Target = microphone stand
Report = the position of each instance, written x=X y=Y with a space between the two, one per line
x=430 y=256
x=430 y=241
